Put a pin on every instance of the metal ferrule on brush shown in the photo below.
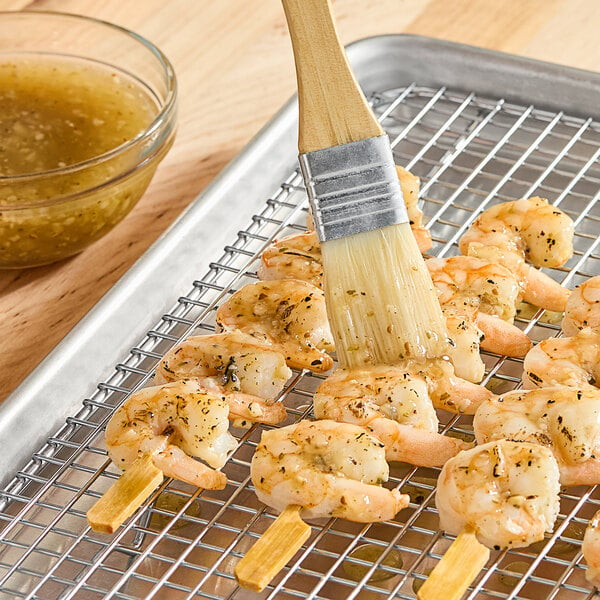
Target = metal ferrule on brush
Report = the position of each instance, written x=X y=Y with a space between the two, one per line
x=353 y=188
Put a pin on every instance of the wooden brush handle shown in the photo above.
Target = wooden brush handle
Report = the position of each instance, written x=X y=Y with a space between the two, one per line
x=333 y=109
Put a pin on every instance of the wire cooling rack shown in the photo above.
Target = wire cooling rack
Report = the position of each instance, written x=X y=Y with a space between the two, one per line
x=470 y=152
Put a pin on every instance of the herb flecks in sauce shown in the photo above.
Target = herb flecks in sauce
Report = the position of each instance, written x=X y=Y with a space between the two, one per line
x=56 y=114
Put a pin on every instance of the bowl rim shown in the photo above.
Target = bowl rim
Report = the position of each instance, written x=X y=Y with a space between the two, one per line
x=167 y=106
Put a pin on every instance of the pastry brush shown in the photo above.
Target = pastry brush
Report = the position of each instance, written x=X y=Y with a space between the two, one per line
x=381 y=302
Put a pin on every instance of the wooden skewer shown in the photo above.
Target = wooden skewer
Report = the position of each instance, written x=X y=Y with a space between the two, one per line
x=273 y=550
x=456 y=571
x=125 y=495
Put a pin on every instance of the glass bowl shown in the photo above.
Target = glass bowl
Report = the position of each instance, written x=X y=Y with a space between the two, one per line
x=49 y=213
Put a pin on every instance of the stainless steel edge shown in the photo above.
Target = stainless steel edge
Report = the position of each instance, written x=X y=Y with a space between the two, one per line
x=432 y=62
x=56 y=388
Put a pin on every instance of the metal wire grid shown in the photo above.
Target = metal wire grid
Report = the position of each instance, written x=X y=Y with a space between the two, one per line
x=469 y=152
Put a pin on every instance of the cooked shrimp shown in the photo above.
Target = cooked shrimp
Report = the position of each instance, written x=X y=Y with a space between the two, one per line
x=409 y=184
x=591 y=550
x=485 y=292
x=435 y=379
x=502 y=337
x=564 y=419
x=329 y=469
x=394 y=407
x=571 y=361
x=296 y=256
x=465 y=282
x=507 y=492
x=289 y=314
x=446 y=390
x=528 y=229
x=583 y=307
x=237 y=362
x=249 y=374
x=464 y=337
x=173 y=423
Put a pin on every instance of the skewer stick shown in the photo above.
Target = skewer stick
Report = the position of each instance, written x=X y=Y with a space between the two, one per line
x=459 y=566
x=273 y=550
x=125 y=495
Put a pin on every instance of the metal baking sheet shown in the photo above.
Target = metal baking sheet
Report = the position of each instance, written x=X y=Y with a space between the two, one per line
x=478 y=127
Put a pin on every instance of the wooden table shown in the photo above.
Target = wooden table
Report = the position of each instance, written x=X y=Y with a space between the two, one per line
x=235 y=69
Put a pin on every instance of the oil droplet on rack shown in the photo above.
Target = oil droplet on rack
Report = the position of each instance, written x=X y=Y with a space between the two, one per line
x=370 y=553
x=517 y=567
x=563 y=548
x=169 y=502
x=419 y=488
x=417 y=583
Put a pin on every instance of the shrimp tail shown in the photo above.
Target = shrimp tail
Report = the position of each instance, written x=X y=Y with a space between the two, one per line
x=502 y=337
x=461 y=396
x=585 y=473
x=251 y=409
x=175 y=463
x=422 y=237
x=415 y=446
x=381 y=505
x=543 y=291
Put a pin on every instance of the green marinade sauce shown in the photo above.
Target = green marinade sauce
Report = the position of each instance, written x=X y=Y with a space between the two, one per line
x=54 y=113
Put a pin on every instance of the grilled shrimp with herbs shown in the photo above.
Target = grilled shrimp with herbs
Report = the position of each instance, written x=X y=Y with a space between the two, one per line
x=410 y=184
x=295 y=256
x=530 y=229
x=288 y=314
x=572 y=361
x=329 y=469
x=583 y=307
x=507 y=492
x=394 y=406
x=445 y=389
x=174 y=423
x=249 y=374
x=485 y=292
x=565 y=420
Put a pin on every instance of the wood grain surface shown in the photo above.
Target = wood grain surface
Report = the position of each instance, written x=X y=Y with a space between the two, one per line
x=235 y=68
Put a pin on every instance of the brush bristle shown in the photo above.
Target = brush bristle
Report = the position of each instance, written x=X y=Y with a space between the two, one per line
x=381 y=302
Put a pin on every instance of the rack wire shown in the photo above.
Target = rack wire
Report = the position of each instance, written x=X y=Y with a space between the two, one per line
x=469 y=152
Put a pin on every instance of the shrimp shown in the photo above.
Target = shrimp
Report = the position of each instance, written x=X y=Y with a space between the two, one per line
x=289 y=314
x=506 y=491
x=237 y=362
x=528 y=229
x=591 y=550
x=434 y=380
x=409 y=184
x=329 y=469
x=571 y=361
x=463 y=350
x=583 y=307
x=564 y=419
x=250 y=374
x=173 y=423
x=465 y=282
x=445 y=389
x=296 y=256
x=394 y=407
x=485 y=292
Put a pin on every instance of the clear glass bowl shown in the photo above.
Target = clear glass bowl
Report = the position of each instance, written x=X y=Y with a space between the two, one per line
x=48 y=215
